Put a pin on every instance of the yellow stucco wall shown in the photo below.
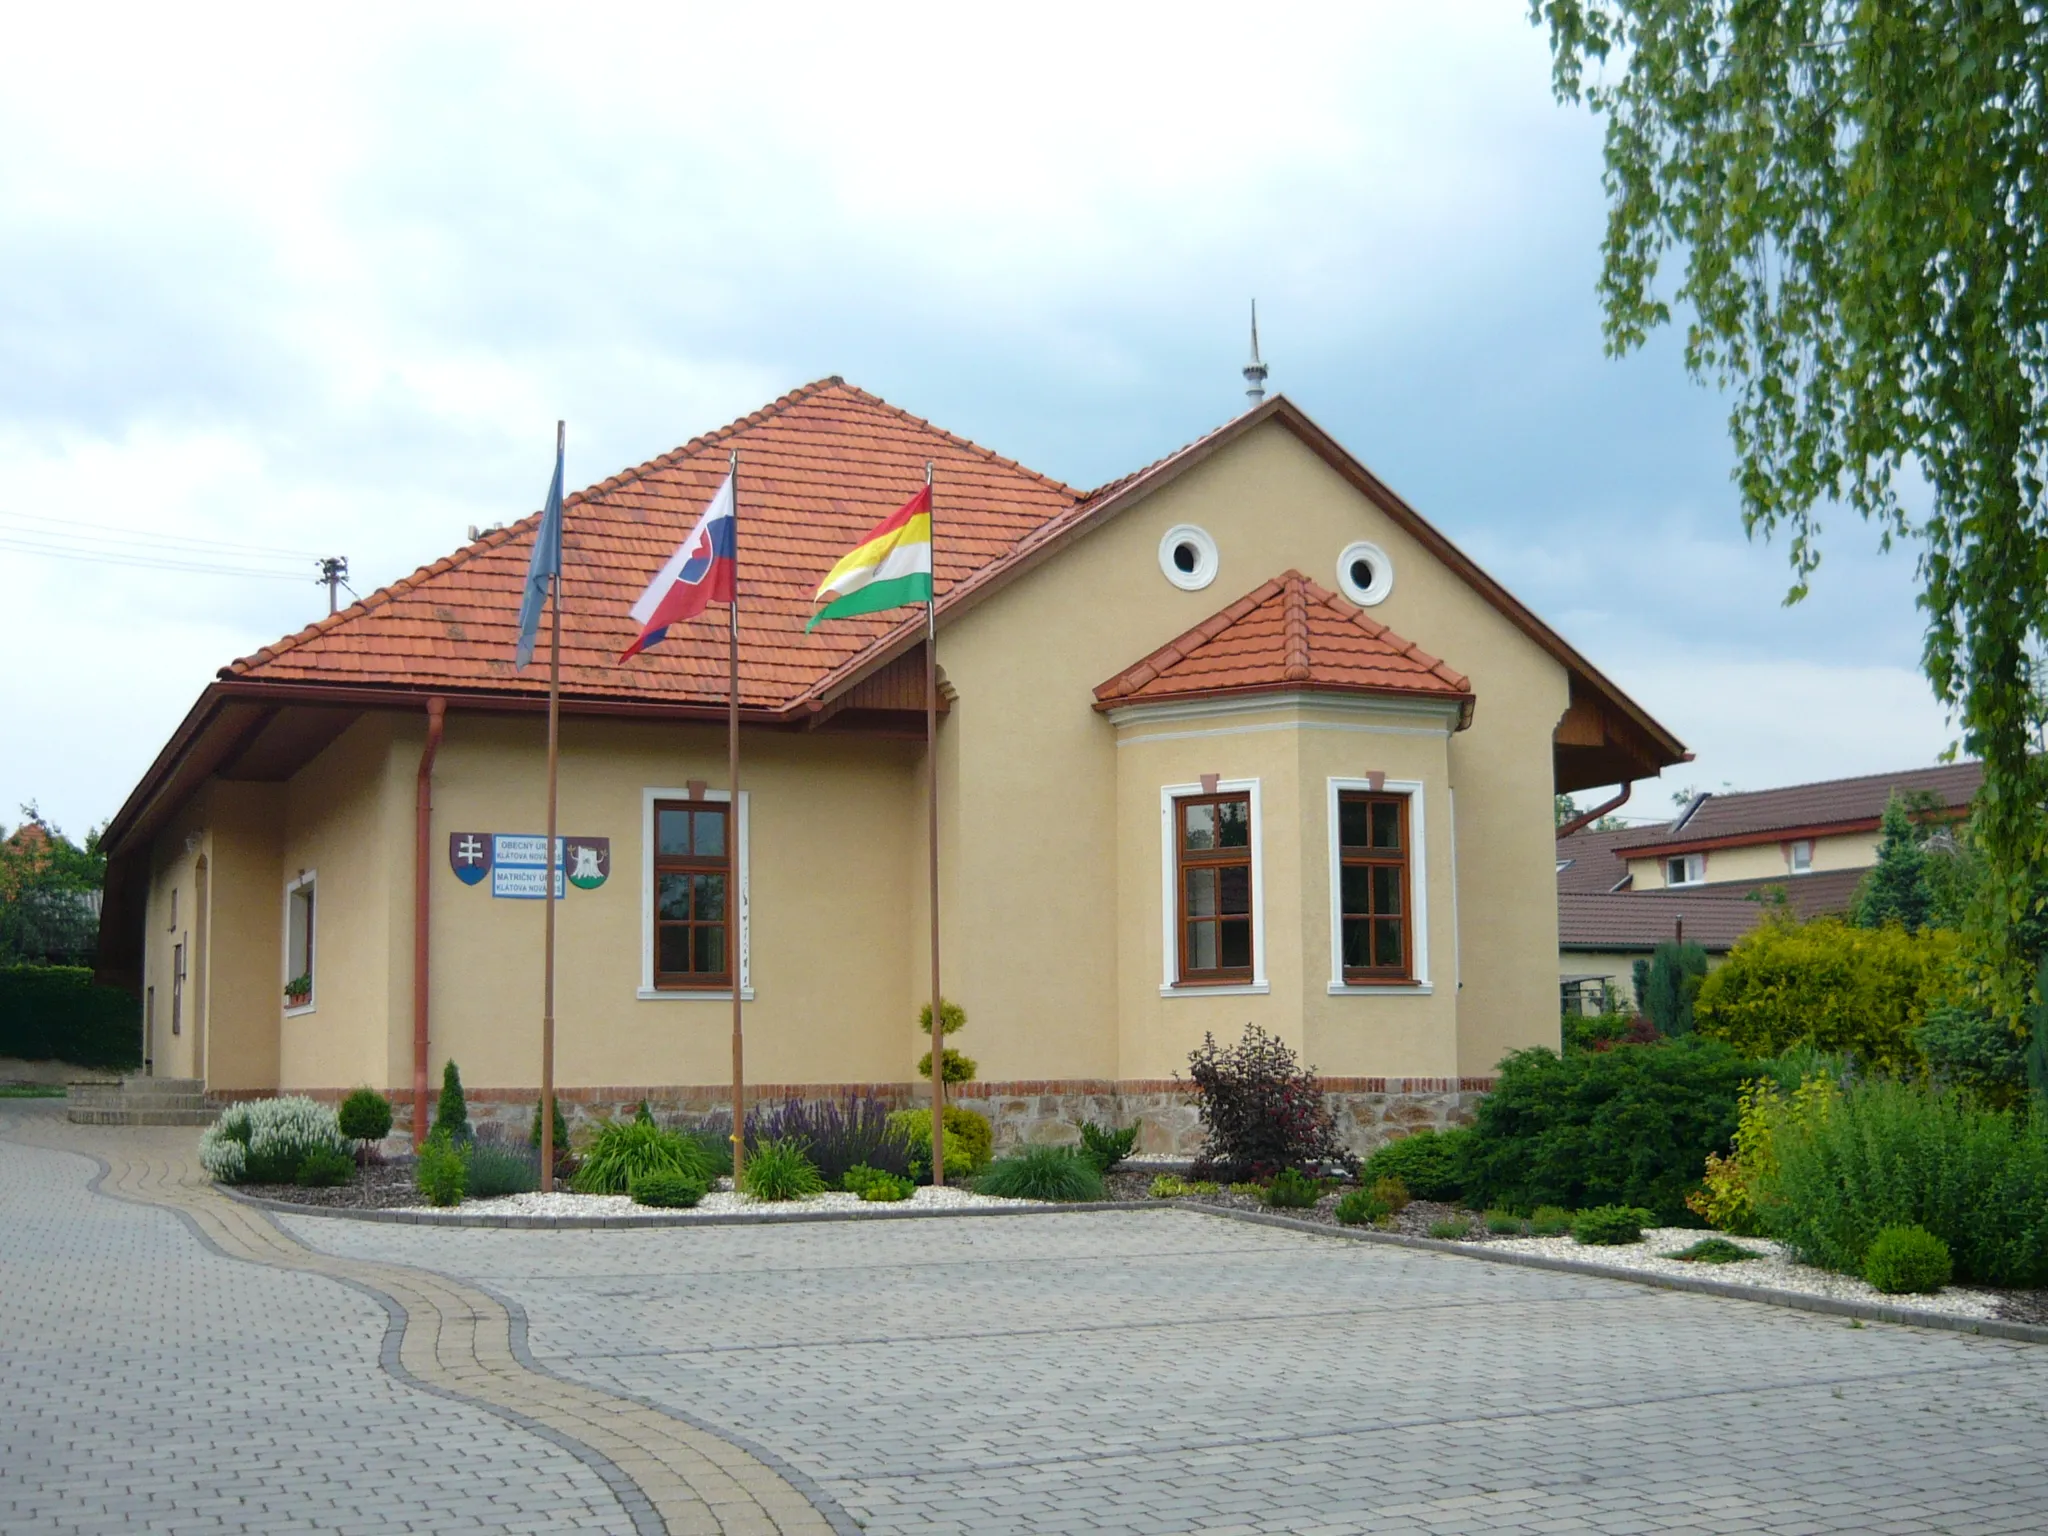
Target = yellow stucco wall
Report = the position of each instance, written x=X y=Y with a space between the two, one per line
x=1766 y=861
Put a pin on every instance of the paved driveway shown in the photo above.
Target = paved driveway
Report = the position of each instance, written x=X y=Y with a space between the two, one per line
x=1166 y=1372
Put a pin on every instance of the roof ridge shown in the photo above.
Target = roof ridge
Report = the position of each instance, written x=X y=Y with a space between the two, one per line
x=1854 y=778
x=703 y=440
x=957 y=440
x=1294 y=626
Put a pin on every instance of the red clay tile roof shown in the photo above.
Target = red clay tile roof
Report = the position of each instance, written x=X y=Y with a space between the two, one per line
x=1590 y=862
x=1641 y=920
x=1765 y=814
x=817 y=469
x=1290 y=635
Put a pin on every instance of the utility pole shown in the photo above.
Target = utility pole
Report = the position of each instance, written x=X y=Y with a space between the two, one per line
x=333 y=572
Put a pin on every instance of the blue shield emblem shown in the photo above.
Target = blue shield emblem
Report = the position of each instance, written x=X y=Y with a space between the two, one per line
x=469 y=855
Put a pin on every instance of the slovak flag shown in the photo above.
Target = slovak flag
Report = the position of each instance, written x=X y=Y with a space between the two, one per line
x=699 y=573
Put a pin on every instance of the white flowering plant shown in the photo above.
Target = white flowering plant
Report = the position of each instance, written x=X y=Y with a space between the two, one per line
x=267 y=1141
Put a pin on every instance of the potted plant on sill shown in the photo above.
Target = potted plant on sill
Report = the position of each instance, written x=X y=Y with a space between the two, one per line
x=298 y=991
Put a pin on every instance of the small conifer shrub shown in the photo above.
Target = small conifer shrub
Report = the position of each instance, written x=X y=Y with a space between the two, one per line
x=451 y=1110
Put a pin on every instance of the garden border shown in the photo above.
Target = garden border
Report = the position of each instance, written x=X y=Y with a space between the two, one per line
x=1802 y=1301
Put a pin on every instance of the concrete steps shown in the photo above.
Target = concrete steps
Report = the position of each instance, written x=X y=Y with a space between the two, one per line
x=140 y=1101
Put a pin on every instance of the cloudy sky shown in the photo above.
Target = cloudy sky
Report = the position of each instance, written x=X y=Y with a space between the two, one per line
x=274 y=286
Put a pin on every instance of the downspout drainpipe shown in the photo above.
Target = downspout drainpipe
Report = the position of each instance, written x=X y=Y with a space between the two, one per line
x=422 y=867
x=1569 y=827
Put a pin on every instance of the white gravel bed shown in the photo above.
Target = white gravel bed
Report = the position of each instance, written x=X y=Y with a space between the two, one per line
x=1773 y=1269
x=722 y=1201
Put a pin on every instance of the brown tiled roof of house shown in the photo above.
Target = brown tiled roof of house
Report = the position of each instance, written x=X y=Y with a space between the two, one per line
x=1842 y=804
x=1588 y=859
x=818 y=468
x=1822 y=893
x=1288 y=634
x=1641 y=920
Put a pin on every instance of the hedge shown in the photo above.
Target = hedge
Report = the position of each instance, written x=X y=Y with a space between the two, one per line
x=55 y=1013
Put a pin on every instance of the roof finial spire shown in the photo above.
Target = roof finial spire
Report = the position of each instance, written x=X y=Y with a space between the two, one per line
x=1255 y=371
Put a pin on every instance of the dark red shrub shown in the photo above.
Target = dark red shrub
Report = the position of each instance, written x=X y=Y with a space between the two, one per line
x=1263 y=1111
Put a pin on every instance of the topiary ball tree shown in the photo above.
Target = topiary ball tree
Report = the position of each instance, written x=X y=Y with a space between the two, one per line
x=451 y=1111
x=364 y=1117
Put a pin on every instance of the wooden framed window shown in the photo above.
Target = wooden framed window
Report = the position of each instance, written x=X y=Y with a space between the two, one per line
x=694 y=938
x=1213 y=888
x=1376 y=924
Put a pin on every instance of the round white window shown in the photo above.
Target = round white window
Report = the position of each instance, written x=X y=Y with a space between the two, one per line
x=1187 y=555
x=1365 y=574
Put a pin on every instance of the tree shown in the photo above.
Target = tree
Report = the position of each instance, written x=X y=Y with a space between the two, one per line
x=48 y=893
x=1858 y=191
x=1895 y=890
x=1668 y=984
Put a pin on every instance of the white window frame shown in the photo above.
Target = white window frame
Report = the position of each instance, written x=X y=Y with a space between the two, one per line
x=648 y=992
x=1418 y=889
x=1792 y=859
x=1695 y=866
x=1169 y=896
x=292 y=887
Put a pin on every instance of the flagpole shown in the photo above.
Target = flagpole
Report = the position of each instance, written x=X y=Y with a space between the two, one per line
x=547 y=1018
x=732 y=893
x=931 y=768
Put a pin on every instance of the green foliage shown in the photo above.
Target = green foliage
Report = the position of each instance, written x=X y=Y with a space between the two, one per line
x=1451 y=1228
x=47 y=916
x=1610 y=1226
x=1968 y=1050
x=1857 y=191
x=1393 y=1190
x=952 y=1019
x=300 y=986
x=1631 y=1126
x=492 y=1168
x=1107 y=1147
x=1884 y=1154
x=959 y=1068
x=642 y=1115
x=969 y=1136
x=1670 y=986
x=1505 y=1224
x=451 y=1110
x=1293 y=1190
x=1171 y=1186
x=623 y=1148
x=1549 y=1221
x=1042 y=1173
x=1429 y=1163
x=1361 y=1207
x=365 y=1115
x=666 y=1189
x=778 y=1170
x=1587 y=1031
x=323 y=1166
x=1907 y=1261
x=32 y=1091
x=55 y=1013
x=1895 y=890
x=441 y=1173
x=268 y=1141
x=875 y=1184
x=561 y=1128
x=1825 y=984
x=1713 y=1250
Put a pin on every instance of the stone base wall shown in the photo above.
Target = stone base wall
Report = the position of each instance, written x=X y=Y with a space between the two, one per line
x=1369 y=1111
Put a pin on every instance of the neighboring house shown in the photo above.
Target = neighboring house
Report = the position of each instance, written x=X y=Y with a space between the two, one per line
x=1183 y=787
x=1720 y=862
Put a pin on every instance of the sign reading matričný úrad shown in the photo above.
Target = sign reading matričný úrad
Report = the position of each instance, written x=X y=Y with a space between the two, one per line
x=517 y=862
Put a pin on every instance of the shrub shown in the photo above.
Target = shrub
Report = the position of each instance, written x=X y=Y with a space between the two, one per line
x=324 y=1166
x=1895 y=890
x=1361 y=1207
x=441 y=1173
x=1292 y=1190
x=778 y=1170
x=365 y=1115
x=713 y=1137
x=1392 y=1189
x=666 y=1189
x=952 y=1019
x=55 y=1013
x=1505 y=1224
x=1171 y=1186
x=1042 y=1173
x=1610 y=1226
x=969 y=1139
x=1865 y=991
x=1451 y=1228
x=836 y=1135
x=266 y=1141
x=1671 y=986
x=565 y=1159
x=1907 y=1261
x=876 y=1184
x=495 y=1168
x=959 y=1068
x=642 y=1115
x=451 y=1110
x=1429 y=1163
x=1105 y=1146
x=1623 y=1127
x=1549 y=1221
x=1852 y=1162
x=1592 y=1031
x=1262 y=1110
x=1713 y=1250
x=623 y=1148
x=1967 y=1049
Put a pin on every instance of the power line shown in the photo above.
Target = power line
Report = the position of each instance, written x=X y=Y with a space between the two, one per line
x=69 y=530
x=146 y=561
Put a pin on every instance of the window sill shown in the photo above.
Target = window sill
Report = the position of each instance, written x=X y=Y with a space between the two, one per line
x=691 y=995
x=1387 y=989
x=1224 y=989
x=302 y=1010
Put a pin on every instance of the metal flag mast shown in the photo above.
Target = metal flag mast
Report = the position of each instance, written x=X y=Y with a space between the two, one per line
x=732 y=834
x=931 y=768
x=549 y=865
